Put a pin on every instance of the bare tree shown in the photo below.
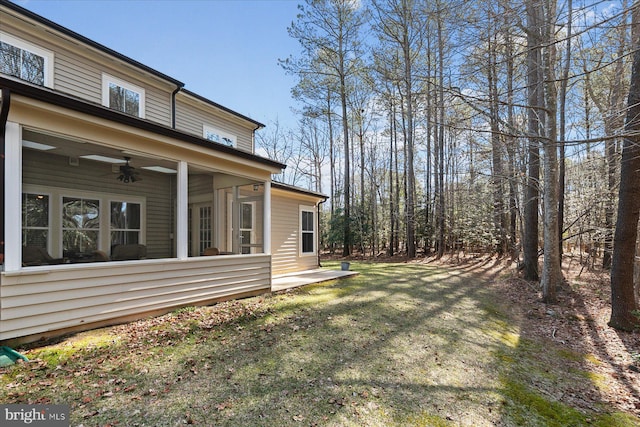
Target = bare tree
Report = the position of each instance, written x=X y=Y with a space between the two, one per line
x=623 y=300
x=400 y=24
x=329 y=33
x=551 y=271
x=534 y=121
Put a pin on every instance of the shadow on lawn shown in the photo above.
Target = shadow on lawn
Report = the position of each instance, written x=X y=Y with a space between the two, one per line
x=400 y=344
x=572 y=378
x=368 y=351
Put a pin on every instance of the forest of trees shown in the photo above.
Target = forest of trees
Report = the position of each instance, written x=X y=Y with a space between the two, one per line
x=503 y=126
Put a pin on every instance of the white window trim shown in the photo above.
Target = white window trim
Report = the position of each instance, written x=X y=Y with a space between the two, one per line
x=106 y=79
x=46 y=54
x=195 y=219
x=56 y=194
x=49 y=213
x=142 y=201
x=251 y=230
x=311 y=209
x=206 y=128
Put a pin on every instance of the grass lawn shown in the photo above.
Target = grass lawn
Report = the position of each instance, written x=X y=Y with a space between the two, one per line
x=399 y=344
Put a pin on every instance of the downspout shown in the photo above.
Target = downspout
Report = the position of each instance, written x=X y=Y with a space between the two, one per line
x=173 y=106
x=4 y=115
x=318 y=220
x=253 y=138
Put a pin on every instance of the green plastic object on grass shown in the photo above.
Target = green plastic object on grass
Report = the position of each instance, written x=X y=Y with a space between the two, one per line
x=8 y=356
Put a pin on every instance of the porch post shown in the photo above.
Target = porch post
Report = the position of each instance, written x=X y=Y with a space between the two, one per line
x=235 y=221
x=13 y=197
x=182 y=211
x=266 y=239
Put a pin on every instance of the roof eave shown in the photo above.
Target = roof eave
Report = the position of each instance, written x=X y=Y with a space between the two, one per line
x=69 y=33
x=201 y=98
x=74 y=104
x=292 y=188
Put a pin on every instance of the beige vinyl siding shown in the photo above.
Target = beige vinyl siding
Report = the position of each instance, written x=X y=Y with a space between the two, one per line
x=53 y=298
x=55 y=171
x=285 y=235
x=78 y=72
x=201 y=185
x=75 y=76
x=191 y=119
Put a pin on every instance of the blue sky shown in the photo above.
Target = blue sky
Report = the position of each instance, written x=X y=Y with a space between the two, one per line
x=224 y=50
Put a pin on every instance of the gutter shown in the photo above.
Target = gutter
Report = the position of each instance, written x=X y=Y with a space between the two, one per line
x=201 y=98
x=78 y=37
x=5 y=103
x=82 y=106
x=287 y=187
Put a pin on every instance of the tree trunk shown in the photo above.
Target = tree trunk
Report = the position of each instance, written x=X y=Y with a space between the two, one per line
x=534 y=82
x=440 y=150
x=511 y=149
x=497 y=157
x=411 y=177
x=613 y=123
x=563 y=104
x=332 y=166
x=392 y=211
x=551 y=271
x=623 y=301
x=346 y=244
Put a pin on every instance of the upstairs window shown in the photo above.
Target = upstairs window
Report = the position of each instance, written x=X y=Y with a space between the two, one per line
x=212 y=134
x=122 y=96
x=25 y=61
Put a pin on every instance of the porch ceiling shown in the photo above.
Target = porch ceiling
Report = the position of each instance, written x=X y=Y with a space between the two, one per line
x=76 y=149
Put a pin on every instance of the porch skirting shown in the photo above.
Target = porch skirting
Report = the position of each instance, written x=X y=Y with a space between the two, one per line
x=48 y=300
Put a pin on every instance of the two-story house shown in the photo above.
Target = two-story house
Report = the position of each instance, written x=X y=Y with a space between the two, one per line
x=125 y=194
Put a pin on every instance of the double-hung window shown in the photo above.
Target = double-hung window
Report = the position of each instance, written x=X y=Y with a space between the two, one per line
x=123 y=96
x=35 y=220
x=307 y=231
x=125 y=223
x=25 y=61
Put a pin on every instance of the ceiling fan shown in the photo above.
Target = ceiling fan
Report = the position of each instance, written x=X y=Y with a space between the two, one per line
x=128 y=173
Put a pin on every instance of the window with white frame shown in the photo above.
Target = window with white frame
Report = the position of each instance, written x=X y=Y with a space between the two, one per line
x=71 y=223
x=247 y=226
x=307 y=230
x=125 y=223
x=35 y=220
x=200 y=227
x=123 y=96
x=25 y=61
x=216 y=135
x=80 y=224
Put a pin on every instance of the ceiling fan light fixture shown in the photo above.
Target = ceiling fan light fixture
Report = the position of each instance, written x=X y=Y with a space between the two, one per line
x=128 y=173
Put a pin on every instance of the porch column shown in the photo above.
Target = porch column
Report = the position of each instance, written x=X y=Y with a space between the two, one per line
x=266 y=238
x=13 y=197
x=182 y=211
x=235 y=221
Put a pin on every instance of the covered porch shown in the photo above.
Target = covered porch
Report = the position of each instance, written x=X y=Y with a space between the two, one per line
x=130 y=222
x=82 y=202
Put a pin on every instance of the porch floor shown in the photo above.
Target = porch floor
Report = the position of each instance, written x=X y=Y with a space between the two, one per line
x=300 y=278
